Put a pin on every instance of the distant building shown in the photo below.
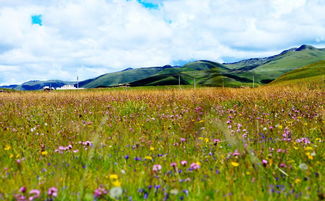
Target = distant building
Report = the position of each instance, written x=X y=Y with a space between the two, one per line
x=48 y=88
x=68 y=87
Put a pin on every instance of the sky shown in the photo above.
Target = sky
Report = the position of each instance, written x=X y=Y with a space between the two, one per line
x=63 y=39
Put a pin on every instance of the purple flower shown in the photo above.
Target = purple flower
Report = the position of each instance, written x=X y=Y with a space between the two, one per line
x=264 y=162
x=23 y=189
x=183 y=139
x=156 y=168
x=19 y=197
x=52 y=192
x=303 y=140
x=195 y=166
x=173 y=165
x=183 y=163
x=236 y=153
x=34 y=194
x=99 y=192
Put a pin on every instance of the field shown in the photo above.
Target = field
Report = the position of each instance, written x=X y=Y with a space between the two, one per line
x=265 y=143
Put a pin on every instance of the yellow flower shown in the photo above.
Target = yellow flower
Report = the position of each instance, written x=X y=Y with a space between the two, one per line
x=201 y=121
x=44 y=153
x=235 y=164
x=248 y=173
x=11 y=156
x=113 y=177
x=308 y=148
x=297 y=181
x=116 y=183
x=206 y=140
x=310 y=157
x=7 y=148
x=152 y=148
x=280 y=126
x=201 y=138
x=148 y=158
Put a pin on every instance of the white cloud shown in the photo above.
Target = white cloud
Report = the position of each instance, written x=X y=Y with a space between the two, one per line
x=92 y=37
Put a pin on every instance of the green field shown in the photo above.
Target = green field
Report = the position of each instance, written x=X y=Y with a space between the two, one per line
x=164 y=143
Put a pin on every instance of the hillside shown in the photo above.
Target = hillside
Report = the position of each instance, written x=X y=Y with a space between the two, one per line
x=270 y=68
x=311 y=73
x=122 y=77
x=37 y=85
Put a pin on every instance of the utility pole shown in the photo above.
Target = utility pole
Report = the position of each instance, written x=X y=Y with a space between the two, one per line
x=179 y=81
x=194 y=84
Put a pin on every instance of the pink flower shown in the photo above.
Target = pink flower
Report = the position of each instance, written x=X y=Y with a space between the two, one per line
x=283 y=165
x=264 y=162
x=19 y=197
x=34 y=194
x=195 y=166
x=52 y=192
x=173 y=165
x=216 y=141
x=236 y=153
x=99 y=192
x=303 y=140
x=183 y=139
x=183 y=163
x=156 y=168
x=23 y=189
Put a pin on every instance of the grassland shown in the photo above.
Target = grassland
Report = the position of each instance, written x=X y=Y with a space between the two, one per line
x=163 y=144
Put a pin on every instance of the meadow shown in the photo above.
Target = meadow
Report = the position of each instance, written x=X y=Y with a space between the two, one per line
x=265 y=143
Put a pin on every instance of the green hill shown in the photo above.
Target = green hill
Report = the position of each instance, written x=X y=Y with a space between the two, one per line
x=122 y=77
x=312 y=72
x=265 y=70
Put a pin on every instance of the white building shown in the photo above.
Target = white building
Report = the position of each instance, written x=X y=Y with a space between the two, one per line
x=68 y=87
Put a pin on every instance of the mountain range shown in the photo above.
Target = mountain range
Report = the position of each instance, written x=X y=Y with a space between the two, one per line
x=257 y=71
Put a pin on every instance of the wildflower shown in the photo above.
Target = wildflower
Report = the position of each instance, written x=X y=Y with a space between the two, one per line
x=23 y=189
x=19 y=197
x=113 y=176
x=183 y=139
x=44 y=153
x=216 y=141
x=126 y=157
x=148 y=158
x=195 y=166
x=152 y=148
x=156 y=168
x=297 y=181
x=99 y=192
x=236 y=153
x=52 y=192
x=173 y=165
x=116 y=183
x=34 y=194
x=264 y=162
x=115 y=192
x=303 y=166
x=183 y=163
x=303 y=140
x=235 y=164
x=283 y=165
x=7 y=148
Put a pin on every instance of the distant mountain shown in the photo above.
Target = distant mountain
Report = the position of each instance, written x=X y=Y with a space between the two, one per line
x=247 y=72
x=122 y=77
x=265 y=70
x=37 y=85
x=311 y=72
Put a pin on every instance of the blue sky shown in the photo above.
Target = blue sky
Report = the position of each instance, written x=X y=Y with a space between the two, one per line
x=60 y=39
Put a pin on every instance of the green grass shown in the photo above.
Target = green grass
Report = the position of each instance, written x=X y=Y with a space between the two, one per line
x=122 y=77
x=165 y=125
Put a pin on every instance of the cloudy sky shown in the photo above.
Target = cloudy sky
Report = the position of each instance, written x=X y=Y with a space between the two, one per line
x=60 y=39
